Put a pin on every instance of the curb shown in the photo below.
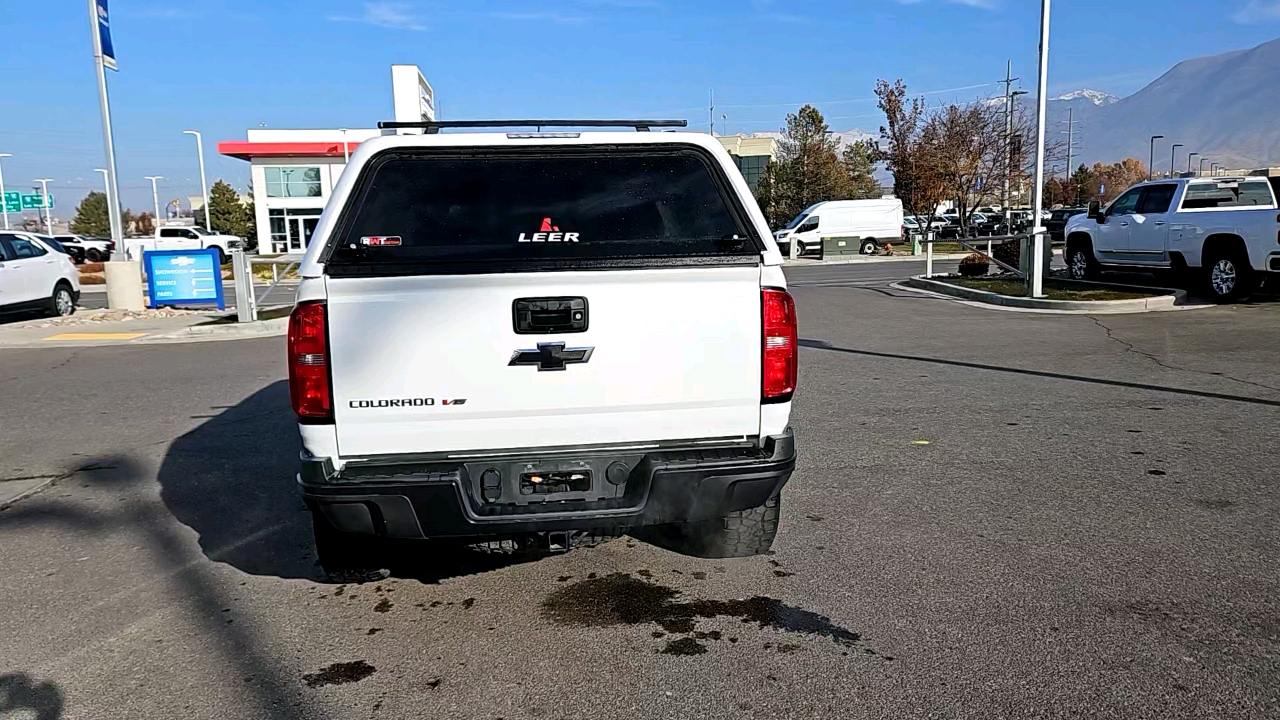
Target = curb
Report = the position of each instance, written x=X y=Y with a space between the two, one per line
x=230 y=331
x=1175 y=300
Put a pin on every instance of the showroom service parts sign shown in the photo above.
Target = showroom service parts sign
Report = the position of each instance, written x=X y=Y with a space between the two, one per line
x=178 y=277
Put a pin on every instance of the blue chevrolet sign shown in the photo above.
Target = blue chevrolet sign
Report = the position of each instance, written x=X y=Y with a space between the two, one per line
x=178 y=277
x=105 y=48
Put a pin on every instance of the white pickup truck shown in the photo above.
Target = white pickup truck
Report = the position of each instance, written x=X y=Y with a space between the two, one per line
x=185 y=237
x=1225 y=229
x=541 y=339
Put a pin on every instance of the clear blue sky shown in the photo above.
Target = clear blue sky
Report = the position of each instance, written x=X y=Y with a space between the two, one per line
x=221 y=66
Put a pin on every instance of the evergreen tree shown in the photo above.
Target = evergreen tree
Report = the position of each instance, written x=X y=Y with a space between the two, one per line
x=226 y=213
x=859 y=160
x=91 y=216
x=807 y=170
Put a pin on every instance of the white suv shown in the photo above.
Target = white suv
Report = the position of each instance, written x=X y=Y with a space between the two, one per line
x=542 y=338
x=36 y=275
x=1227 y=228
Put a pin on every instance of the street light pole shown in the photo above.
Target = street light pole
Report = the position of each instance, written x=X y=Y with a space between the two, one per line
x=1213 y=169
x=4 y=205
x=1202 y=162
x=1151 y=156
x=155 y=197
x=204 y=185
x=48 y=214
x=1173 y=153
x=1036 y=286
x=1189 y=156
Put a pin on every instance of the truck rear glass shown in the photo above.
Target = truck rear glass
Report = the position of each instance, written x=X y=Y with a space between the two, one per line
x=546 y=204
x=1228 y=194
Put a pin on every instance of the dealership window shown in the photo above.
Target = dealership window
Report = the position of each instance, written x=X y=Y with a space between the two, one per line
x=292 y=181
x=279 y=230
x=752 y=167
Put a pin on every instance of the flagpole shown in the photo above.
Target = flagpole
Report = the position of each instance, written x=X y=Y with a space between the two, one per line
x=113 y=190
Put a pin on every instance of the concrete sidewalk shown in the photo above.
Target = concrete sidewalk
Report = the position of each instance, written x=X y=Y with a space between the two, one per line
x=855 y=259
x=116 y=327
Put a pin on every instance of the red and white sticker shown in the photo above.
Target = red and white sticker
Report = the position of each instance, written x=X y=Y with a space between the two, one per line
x=380 y=240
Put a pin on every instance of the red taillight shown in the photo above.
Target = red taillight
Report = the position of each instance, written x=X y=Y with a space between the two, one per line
x=309 y=363
x=781 y=345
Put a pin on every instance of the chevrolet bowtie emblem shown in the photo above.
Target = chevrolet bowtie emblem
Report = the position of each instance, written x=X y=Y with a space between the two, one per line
x=551 y=356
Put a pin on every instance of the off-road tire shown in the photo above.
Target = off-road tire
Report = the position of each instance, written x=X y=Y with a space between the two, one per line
x=62 y=302
x=348 y=557
x=1228 y=277
x=740 y=534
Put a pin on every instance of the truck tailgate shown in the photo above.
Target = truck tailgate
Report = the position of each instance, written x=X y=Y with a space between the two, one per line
x=426 y=361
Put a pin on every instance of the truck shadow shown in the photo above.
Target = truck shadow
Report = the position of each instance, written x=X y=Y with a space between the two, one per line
x=232 y=480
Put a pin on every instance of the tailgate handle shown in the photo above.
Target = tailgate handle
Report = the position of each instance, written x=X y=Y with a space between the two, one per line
x=550 y=315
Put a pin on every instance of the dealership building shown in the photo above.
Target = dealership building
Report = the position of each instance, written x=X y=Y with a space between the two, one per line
x=293 y=172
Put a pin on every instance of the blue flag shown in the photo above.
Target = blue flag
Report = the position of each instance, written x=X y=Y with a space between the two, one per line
x=105 y=48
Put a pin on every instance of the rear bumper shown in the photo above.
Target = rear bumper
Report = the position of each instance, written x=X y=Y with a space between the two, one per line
x=442 y=500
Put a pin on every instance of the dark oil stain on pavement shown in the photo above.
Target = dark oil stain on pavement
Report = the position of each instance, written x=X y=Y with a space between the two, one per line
x=620 y=599
x=384 y=605
x=339 y=674
x=684 y=646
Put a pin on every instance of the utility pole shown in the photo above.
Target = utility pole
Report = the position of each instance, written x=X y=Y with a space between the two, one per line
x=1008 y=142
x=155 y=197
x=204 y=185
x=4 y=205
x=1071 y=135
x=711 y=112
x=48 y=213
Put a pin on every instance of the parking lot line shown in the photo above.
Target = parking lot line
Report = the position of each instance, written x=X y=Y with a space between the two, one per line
x=95 y=336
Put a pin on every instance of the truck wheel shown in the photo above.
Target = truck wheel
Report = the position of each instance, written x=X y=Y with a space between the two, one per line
x=222 y=257
x=1080 y=263
x=94 y=255
x=741 y=534
x=868 y=247
x=1229 y=277
x=800 y=248
x=347 y=557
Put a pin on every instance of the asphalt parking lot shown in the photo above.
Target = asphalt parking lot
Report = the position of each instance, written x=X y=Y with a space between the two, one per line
x=995 y=515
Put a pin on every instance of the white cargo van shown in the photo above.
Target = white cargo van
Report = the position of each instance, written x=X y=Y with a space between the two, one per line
x=872 y=222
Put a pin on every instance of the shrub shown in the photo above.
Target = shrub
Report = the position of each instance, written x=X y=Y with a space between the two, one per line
x=974 y=265
x=91 y=268
x=1008 y=252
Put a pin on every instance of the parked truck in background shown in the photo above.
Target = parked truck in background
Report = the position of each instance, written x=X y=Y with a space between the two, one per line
x=185 y=237
x=1221 y=231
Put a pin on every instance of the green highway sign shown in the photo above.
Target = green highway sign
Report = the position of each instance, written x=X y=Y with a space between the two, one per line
x=35 y=202
x=13 y=201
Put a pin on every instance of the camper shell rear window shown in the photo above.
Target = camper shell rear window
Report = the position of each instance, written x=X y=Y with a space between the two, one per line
x=446 y=210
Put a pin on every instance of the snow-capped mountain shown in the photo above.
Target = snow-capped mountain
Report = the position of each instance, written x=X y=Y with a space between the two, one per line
x=1097 y=97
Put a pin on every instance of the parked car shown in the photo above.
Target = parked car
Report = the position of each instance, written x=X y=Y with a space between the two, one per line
x=1221 y=229
x=618 y=352
x=914 y=224
x=875 y=222
x=185 y=237
x=35 y=273
x=90 y=249
x=1057 y=222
